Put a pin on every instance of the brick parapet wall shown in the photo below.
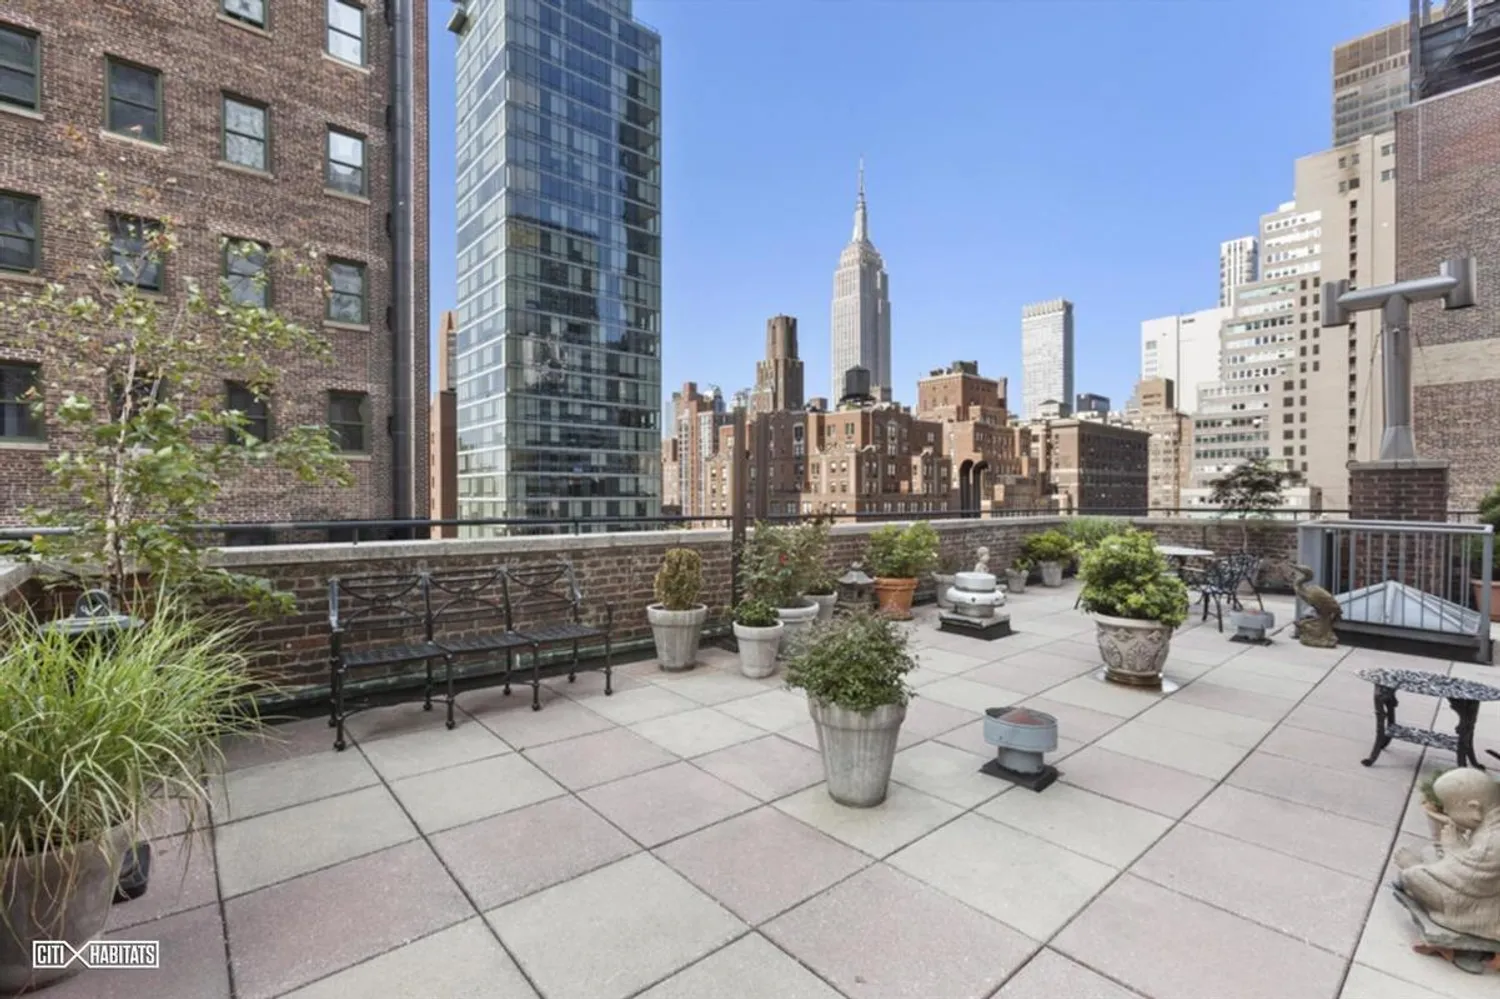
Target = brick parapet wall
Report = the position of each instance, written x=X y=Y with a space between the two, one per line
x=1399 y=490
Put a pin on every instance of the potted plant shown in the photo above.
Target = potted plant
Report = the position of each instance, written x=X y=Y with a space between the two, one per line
x=1137 y=601
x=1016 y=575
x=816 y=582
x=854 y=673
x=773 y=569
x=898 y=556
x=823 y=590
x=943 y=579
x=1489 y=513
x=757 y=631
x=677 y=617
x=1432 y=806
x=1049 y=551
x=97 y=737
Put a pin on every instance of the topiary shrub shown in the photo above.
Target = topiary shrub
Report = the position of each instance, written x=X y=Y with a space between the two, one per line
x=858 y=661
x=755 y=614
x=1125 y=576
x=897 y=553
x=679 y=580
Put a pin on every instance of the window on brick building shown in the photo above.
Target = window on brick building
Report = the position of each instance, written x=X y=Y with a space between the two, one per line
x=246 y=278
x=247 y=133
x=349 y=419
x=346 y=162
x=20 y=245
x=257 y=411
x=133 y=106
x=249 y=11
x=134 y=253
x=20 y=64
x=347 y=293
x=346 y=31
x=17 y=421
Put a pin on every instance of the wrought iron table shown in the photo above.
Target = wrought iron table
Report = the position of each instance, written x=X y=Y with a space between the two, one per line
x=1463 y=697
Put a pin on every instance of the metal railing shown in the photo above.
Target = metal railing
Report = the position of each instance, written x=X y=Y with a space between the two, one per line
x=1404 y=579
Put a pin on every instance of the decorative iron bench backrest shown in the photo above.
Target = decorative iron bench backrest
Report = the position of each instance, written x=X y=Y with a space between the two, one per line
x=380 y=608
x=538 y=593
x=469 y=600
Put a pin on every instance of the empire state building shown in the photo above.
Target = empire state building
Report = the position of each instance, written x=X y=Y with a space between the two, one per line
x=861 y=309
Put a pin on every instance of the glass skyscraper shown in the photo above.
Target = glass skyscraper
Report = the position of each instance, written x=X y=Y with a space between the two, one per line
x=559 y=261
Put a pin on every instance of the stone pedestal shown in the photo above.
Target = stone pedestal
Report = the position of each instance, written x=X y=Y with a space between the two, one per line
x=1399 y=490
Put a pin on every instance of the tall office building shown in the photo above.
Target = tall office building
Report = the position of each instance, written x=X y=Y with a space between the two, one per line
x=559 y=260
x=1046 y=356
x=1239 y=263
x=778 y=379
x=1184 y=349
x=1371 y=81
x=861 y=309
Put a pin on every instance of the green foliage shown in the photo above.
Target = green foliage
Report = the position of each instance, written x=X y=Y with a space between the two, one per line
x=772 y=566
x=1125 y=576
x=679 y=580
x=1489 y=508
x=1048 y=546
x=858 y=661
x=1252 y=489
x=822 y=584
x=1087 y=531
x=93 y=737
x=755 y=614
x=1022 y=564
x=902 y=553
x=810 y=552
x=134 y=400
x=1429 y=796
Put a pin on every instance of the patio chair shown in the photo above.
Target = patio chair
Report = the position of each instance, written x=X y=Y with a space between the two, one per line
x=1221 y=581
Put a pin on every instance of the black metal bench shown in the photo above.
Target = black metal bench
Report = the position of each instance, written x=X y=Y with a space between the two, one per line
x=545 y=606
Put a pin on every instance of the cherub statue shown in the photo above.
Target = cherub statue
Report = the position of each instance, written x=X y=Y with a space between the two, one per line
x=1460 y=889
x=1317 y=631
x=983 y=565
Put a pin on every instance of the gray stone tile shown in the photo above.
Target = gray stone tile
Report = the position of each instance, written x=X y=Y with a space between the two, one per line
x=558 y=721
x=640 y=704
x=1109 y=831
x=1302 y=900
x=1136 y=782
x=1367 y=983
x=1220 y=726
x=1107 y=698
x=1212 y=653
x=192 y=962
x=1345 y=792
x=1074 y=722
x=1207 y=694
x=1049 y=975
x=259 y=851
x=1023 y=881
x=1386 y=946
x=255 y=790
x=182 y=878
x=628 y=925
x=1028 y=674
x=693 y=733
x=970 y=695
x=761 y=863
x=926 y=718
x=394 y=757
x=1396 y=764
x=905 y=815
x=749 y=968
x=774 y=710
x=768 y=767
x=445 y=798
x=1195 y=754
x=1121 y=934
x=389 y=720
x=951 y=663
x=598 y=758
x=1334 y=841
x=1331 y=722
x=946 y=772
x=587 y=684
x=483 y=855
x=462 y=962
x=667 y=802
x=882 y=934
x=1348 y=693
x=281 y=739
x=716 y=686
x=281 y=937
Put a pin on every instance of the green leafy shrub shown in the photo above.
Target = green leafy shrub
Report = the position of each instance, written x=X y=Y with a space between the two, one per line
x=1086 y=532
x=822 y=584
x=902 y=553
x=1125 y=576
x=772 y=566
x=1022 y=564
x=755 y=614
x=1049 y=546
x=809 y=545
x=679 y=580
x=1429 y=796
x=1489 y=508
x=858 y=661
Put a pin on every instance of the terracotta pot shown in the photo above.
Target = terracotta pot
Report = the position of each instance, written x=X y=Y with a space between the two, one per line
x=894 y=597
x=1133 y=651
x=1494 y=597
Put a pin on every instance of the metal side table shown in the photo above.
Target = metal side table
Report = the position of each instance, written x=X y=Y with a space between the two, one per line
x=1463 y=696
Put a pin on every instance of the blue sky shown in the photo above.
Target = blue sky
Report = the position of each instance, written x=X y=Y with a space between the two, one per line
x=1015 y=150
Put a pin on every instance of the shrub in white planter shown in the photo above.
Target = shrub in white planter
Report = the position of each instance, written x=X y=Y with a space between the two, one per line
x=677 y=617
x=757 y=632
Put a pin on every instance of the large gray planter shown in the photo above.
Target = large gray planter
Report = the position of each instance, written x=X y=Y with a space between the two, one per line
x=1015 y=582
x=758 y=648
x=826 y=602
x=1052 y=573
x=1134 y=652
x=798 y=621
x=676 y=633
x=858 y=750
x=57 y=895
x=943 y=581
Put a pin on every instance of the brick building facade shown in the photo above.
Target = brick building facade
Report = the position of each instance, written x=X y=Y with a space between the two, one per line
x=1097 y=468
x=261 y=120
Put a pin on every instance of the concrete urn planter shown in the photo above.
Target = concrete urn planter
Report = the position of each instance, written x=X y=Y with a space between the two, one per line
x=943 y=580
x=1015 y=581
x=676 y=633
x=1052 y=574
x=758 y=648
x=1133 y=651
x=858 y=750
x=826 y=603
x=798 y=622
x=56 y=895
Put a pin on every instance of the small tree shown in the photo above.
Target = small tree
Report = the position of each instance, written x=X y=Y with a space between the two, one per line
x=132 y=394
x=1252 y=490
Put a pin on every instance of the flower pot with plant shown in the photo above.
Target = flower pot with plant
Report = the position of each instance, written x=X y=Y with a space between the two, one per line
x=823 y=590
x=774 y=570
x=677 y=617
x=854 y=674
x=1137 y=600
x=1050 y=552
x=942 y=577
x=816 y=583
x=1017 y=573
x=97 y=738
x=757 y=631
x=897 y=556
